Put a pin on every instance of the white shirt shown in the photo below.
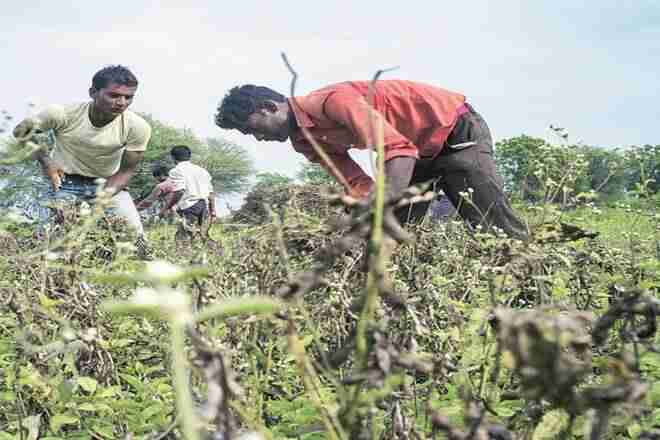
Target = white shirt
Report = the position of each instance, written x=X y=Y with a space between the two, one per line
x=193 y=180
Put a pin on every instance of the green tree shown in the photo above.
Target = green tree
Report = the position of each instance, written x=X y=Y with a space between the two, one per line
x=229 y=164
x=314 y=173
x=533 y=169
x=266 y=179
x=642 y=169
x=605 y=174
x=514 y=159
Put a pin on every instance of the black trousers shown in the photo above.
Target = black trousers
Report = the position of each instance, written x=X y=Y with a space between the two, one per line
x=196 y=215
x=468 y=177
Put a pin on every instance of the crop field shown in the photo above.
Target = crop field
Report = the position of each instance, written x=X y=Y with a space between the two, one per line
x=295 y=328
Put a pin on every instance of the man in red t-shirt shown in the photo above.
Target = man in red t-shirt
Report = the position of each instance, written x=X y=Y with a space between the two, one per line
x=430 y=134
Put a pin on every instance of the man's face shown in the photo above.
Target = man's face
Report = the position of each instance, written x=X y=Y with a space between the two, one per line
x=113 y=99
x=268 y=124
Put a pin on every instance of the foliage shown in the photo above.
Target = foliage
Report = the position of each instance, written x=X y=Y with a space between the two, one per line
x=269 y=180
x=70 y=368
x=314 y=173
x=643 y=168
x=532 y=167
x=229 y=164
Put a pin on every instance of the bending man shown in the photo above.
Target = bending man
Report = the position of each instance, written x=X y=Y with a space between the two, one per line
x=430 y=134
x=100 y=138
x=192 y=195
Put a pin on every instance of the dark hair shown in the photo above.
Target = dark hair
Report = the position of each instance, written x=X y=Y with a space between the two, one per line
x=114 y=74
x=160 y=170
x=237 y=105
x=180 y=153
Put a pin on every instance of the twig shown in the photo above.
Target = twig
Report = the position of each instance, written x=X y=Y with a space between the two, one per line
x=326 y=161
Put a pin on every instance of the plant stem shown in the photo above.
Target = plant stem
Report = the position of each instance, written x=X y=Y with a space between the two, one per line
x=181 y=384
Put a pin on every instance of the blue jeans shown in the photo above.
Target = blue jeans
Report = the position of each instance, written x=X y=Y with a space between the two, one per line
x=123 y=206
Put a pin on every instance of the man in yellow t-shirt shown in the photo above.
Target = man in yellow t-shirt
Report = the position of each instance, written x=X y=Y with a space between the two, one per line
x=100 y=138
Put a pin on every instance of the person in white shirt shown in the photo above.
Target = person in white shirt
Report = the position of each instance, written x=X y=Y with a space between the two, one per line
x=99 y=138
x=193 y=196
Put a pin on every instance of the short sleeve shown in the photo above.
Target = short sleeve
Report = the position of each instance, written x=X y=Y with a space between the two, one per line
x=139 y=133
x=178 y=182
x=52 y=118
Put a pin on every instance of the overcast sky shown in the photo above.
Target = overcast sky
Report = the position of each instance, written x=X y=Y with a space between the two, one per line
x=590 y=66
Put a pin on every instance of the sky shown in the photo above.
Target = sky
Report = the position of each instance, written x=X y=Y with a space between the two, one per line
x=590 y=66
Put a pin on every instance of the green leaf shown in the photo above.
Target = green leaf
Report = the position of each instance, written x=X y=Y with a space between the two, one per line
x=151 y=411
x=86 y=407
x=551 y=425
x=59 y=420
x=104 y=431
x=7 y=436
x=88 y=384
x=132 y=380
x=634 y=430
x=65 y=390
x=108 y=392
x=32 y=424
x=48 y=303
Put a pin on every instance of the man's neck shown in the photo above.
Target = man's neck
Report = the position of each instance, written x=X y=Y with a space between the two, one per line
x=99 y=119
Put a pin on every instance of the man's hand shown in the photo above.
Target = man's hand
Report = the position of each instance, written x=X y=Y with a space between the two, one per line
x=54 y=172
x=129 y=163
x=211 y=207
x=165 y=212
x=25 y=129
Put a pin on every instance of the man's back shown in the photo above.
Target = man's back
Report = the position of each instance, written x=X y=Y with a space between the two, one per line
x=193 y=180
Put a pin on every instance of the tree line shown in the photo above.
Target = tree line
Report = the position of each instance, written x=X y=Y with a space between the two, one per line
x=535 y=169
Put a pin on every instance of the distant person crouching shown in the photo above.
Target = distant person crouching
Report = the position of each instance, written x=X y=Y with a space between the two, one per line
x=164 y=188
x=193 y=196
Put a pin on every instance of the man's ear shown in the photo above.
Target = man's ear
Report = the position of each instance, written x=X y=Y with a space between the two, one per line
x=93 y=92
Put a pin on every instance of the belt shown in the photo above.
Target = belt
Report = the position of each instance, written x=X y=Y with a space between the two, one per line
x=79 y=179
x=463 y=109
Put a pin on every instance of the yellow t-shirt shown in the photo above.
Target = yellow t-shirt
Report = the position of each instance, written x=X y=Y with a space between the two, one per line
x=81 y=148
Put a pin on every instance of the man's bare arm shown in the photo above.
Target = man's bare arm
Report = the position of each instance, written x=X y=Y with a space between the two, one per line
x=128 y=167
x=171 y=202
x=212 y=205
x=398 y=173
x=150 y=199
x=24 y=132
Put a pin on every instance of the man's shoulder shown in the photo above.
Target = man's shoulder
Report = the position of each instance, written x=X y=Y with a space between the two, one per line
x=135 y=121
x=65 y=112
x=198 y=168
x=313 y=104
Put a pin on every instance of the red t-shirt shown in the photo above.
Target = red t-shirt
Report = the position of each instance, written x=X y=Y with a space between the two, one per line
x=416 y=120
